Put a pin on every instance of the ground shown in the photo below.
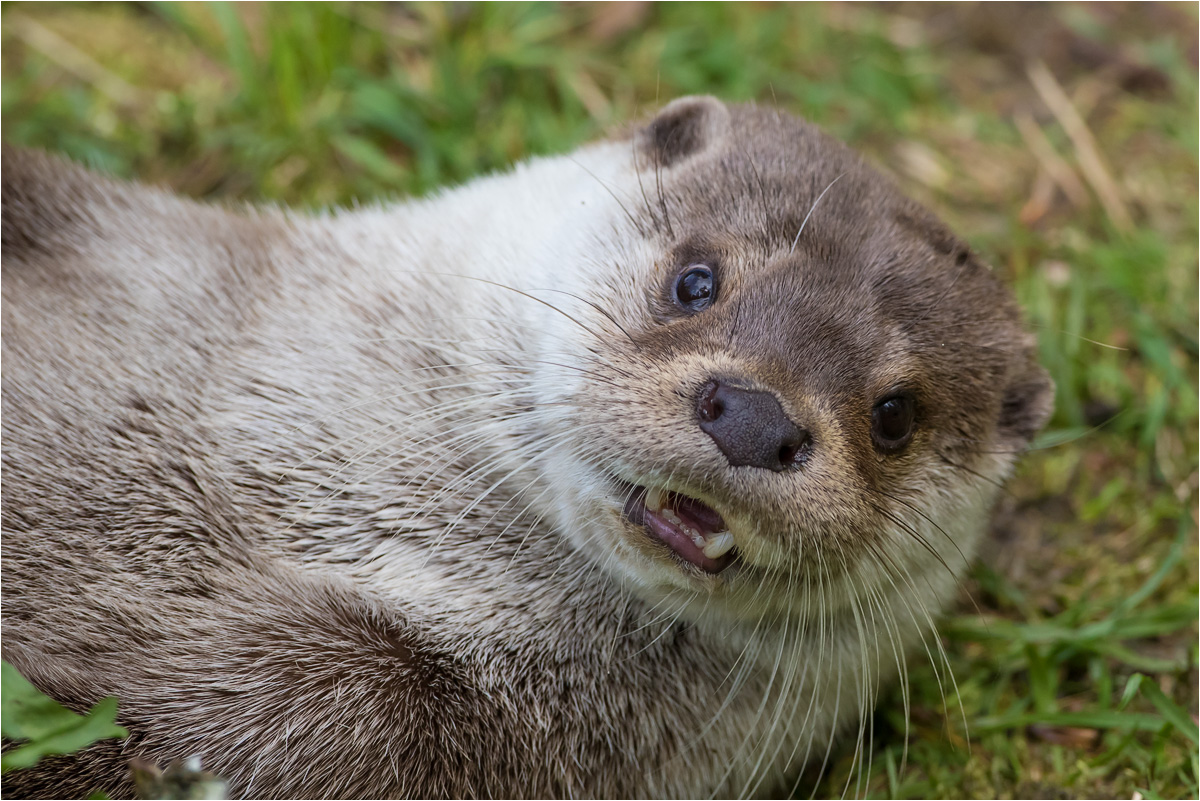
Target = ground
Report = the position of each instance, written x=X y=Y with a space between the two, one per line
x=1060 y=140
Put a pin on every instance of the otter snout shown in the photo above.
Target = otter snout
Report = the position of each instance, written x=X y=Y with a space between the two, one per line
x=750 y=427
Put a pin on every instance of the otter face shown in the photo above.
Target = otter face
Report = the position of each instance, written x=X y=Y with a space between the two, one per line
x=806 y=387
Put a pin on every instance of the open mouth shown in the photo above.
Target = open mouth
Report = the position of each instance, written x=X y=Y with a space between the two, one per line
x=690 y=528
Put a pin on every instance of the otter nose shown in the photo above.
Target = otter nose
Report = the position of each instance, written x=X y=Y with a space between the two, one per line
x=750 y=427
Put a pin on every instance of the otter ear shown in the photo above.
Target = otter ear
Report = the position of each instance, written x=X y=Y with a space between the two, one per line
x=685 y=127
x=1028 y=403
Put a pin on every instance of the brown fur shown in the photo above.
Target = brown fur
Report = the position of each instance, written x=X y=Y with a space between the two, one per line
x=180 y=528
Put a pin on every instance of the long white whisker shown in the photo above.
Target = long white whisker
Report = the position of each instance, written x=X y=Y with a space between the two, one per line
x=810 y=211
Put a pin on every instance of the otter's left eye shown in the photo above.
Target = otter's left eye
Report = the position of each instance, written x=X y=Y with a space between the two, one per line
x=695 y=288
x=892 y=422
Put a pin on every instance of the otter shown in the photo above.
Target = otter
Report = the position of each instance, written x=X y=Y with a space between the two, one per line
x=634 y=472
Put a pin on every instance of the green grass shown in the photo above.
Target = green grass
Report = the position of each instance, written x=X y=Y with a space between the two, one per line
x=1074 y=648
x=45 y=727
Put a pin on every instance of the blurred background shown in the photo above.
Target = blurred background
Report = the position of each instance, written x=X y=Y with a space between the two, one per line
x=1060 y=140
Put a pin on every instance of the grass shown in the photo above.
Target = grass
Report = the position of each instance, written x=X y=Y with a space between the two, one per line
x=1074 y=649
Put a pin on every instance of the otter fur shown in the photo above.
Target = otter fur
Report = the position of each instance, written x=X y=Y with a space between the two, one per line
x=634 y=472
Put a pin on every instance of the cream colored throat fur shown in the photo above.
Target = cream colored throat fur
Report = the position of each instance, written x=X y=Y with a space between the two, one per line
x=425 y=499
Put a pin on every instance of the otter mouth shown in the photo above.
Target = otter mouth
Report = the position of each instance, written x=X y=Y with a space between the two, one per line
x=690 y=528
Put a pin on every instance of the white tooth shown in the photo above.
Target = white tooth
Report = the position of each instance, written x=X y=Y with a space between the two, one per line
x=719 y=545
x=669 y=514
x=696 y=537
x=654 y=500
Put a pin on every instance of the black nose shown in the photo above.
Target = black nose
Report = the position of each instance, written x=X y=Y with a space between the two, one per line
x=750 y=427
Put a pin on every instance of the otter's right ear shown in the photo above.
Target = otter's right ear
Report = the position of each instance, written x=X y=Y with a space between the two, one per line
x=685 y=127
x=1028 y=403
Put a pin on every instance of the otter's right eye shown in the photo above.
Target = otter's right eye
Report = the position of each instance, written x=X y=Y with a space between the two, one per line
x=695 y=288
x=892 y=422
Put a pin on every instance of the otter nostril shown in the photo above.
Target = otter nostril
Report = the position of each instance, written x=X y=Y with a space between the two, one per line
x=710 y=406
x=795 y=452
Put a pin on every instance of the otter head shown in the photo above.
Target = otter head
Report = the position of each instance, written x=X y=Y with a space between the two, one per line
x=797 y=385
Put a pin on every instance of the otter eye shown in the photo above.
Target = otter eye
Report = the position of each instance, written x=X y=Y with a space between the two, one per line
x=695 y=288
x=892 y=422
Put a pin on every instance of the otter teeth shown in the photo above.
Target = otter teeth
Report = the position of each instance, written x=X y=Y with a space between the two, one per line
x=713 y=546
x=718 y=546
x=655 y=500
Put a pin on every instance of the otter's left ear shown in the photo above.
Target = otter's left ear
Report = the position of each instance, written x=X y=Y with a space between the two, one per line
x=1028 y=402
x=686 y=127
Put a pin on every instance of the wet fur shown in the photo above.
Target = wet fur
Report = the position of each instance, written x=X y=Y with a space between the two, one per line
x=330 y=501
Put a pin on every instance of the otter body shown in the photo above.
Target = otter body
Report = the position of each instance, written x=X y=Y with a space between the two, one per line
x=630 y=473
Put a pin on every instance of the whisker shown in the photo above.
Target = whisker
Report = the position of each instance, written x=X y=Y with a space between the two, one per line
x=810 y=212
x=637 y=226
